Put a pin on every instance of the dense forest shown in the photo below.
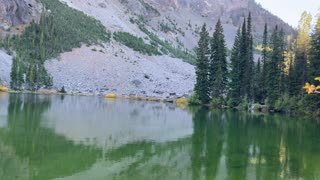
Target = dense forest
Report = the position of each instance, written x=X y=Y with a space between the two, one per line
x=276 y=78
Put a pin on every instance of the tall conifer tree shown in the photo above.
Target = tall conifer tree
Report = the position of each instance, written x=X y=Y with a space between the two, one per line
x=250 y=62
x=243 y=57
x=218 y=63
x=314 y=66
x=301 y=61
x=202 y=67
x=264 y=61
x=235 y=83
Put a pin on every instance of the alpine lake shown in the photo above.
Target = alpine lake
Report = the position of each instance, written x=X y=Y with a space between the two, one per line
x=91 y=138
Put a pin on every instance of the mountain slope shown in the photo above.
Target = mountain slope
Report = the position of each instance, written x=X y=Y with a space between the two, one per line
x=169 y=26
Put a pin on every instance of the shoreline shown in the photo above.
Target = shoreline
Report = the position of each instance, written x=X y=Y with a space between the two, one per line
x=180 y=102
x=172 y=100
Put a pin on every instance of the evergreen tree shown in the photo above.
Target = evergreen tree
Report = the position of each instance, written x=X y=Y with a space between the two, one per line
x=202 y=67
x=314 y=66
x=273 y=76
x=291 y=78
x=16 y=73
x=258 y=83
x=243 y=57
x=264 y=62
x=235 y=84
x=242 y=64
x=274 y=70
x=300 y=70
x=218 y=64
x=31 y=75
x=283 y=76
x=250 y=62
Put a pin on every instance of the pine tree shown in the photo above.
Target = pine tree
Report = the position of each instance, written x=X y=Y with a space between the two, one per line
x=235 y=84
x=218 y=64
x=202 y=84
x=314 y=66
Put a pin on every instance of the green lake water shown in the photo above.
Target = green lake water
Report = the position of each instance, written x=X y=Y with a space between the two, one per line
x=90 y=138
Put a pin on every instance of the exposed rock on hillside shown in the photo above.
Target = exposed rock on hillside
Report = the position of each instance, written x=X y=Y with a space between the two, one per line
x=18 y=12
x=5 y=68
x=118 y=69
x=229 y=11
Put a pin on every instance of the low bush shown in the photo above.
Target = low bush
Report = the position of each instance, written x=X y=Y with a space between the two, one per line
x=135 y=43
x=194 y=100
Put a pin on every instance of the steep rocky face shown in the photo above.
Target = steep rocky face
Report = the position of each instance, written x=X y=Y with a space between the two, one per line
x=18 y=12
x=229 y=11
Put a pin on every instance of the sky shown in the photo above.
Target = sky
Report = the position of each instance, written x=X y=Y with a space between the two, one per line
x=291 y=10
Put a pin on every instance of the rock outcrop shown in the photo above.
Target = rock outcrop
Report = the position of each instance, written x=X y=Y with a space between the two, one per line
x=229 y=11
x=18 y=12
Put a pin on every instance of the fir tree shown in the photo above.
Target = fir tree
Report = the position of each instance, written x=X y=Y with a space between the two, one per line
x=274 y=70
x=202 y=84
x=235 y=84
x=257 y=84
x=250 y=62
x=283 y=77
x=243 y=57
x=16 y=73
x=264 y=62
x=218 y=64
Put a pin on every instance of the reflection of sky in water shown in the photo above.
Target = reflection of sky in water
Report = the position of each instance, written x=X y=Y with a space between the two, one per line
x=3 y=109
x=114 y=123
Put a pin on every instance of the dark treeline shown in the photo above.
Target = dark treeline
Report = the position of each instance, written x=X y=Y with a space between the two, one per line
x=275 y=77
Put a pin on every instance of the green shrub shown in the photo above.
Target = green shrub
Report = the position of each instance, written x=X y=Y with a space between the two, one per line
x=166 y=28
x=244 y=104
x=149 y=7
x=167 y=48
x=194 y=100
x=283 y=104
x=217 y=102
x=135 y=43
x=62 y=90
x=311 y=103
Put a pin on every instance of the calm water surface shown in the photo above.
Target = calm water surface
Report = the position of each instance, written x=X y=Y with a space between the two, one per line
x=89 y=138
